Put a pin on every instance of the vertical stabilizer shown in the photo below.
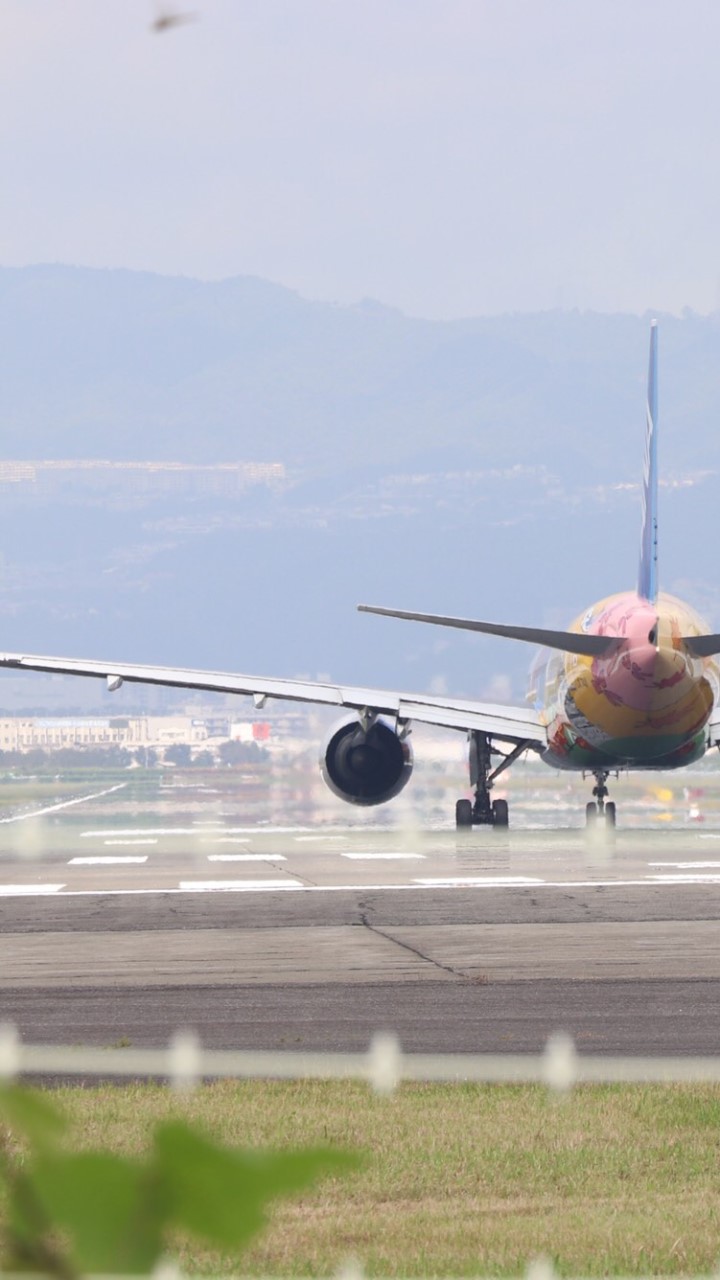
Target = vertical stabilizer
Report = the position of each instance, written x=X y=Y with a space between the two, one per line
x=648 y=576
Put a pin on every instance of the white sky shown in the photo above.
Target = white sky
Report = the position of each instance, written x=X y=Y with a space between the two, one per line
x=450 y=157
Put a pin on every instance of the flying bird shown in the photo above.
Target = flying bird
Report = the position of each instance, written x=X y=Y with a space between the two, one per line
x=167 y=19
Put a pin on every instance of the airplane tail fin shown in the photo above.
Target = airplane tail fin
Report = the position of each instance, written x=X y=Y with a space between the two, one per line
x=647 y=575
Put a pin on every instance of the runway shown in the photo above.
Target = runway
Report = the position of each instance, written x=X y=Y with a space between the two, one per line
x=117 y=925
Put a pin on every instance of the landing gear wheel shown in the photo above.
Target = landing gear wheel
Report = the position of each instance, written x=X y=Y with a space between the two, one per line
x=600 y=810
x=481 y=810
x=500 y=813
x=463 y=813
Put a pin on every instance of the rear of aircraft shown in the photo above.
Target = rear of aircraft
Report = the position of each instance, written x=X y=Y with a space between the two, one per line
x=631 y=684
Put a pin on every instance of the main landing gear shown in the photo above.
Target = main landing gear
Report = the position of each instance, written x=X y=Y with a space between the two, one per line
x=601 y=810
x=482 y=811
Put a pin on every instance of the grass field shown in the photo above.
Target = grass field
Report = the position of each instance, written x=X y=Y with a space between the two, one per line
x=459 y=1180
x=20 y=792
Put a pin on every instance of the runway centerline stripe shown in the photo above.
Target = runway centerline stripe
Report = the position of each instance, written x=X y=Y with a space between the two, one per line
x=254 y=886
x=199 y=832
x=246 y=857
x=126 y=842
x=112 y=860
x=441 y=882
x=140 y=831
x=687 y=866
x=28 y=890
x=321 y=839
x=63 y=804
x=241 y=886
x=380 y=857
x=685 y=879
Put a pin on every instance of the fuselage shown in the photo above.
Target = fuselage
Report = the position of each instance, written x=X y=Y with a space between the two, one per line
x=643 y=705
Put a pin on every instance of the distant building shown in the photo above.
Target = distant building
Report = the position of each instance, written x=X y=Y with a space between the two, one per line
x=247 y=731
x=23 y=733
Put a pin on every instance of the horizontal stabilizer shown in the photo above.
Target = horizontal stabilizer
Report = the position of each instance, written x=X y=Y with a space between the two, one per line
x=702 y=646
x=568 y=641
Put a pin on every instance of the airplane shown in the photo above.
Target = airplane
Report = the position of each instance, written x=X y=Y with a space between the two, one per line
x=632 y=684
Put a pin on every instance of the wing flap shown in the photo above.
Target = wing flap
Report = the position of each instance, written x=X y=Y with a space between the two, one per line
x=509 y=723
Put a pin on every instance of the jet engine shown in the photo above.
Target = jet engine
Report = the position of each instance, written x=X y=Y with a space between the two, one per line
x=366 y=766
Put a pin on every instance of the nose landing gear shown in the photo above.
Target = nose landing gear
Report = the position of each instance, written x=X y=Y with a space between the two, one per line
x=600 y=810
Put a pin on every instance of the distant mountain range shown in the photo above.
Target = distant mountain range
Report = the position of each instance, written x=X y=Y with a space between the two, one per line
x=487 y=467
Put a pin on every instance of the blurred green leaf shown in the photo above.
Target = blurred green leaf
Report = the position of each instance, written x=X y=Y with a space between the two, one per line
x=223 y=1195
x=29 y=1114
x=69 y=1214
x=112 y=1209
x=27 y=1227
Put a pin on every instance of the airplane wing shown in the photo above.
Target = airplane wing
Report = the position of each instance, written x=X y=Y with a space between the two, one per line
x=511 y=724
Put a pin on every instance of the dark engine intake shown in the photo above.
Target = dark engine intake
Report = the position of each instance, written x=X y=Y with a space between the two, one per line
x=366 y=767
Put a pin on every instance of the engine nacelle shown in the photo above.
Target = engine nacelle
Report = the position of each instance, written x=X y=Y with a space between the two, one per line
x=366 y=766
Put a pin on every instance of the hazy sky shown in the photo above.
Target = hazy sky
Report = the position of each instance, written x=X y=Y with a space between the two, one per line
x=450 y=157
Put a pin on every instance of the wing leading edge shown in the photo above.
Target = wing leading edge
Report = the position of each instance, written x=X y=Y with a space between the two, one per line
x=511 y=724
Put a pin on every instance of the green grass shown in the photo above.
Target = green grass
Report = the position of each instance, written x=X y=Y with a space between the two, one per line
x=460 y=1180
x=18 y=791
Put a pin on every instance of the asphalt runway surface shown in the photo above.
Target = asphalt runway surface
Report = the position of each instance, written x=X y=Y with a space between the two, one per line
x=124 y=925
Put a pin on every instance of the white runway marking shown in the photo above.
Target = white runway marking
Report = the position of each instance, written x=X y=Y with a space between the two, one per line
x=379 y=857
x=227 y=840
x=320 y=839
x=246 y=857
x=444 y=882
x=64 y=804
x=142 y=841
x=139 y=831
x=255 y=886
x=112 y=860
x=200 y=832
x=687 y=866
x=236 y=886
x=28 y=890
x=418 y=886
x=686 y=879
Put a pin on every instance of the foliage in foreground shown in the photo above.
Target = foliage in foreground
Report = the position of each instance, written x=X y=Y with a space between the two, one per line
x=458 y=1179
x=69 y=1213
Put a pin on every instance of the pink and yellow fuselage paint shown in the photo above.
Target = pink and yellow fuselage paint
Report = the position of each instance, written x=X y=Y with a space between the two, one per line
x=645 y=703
